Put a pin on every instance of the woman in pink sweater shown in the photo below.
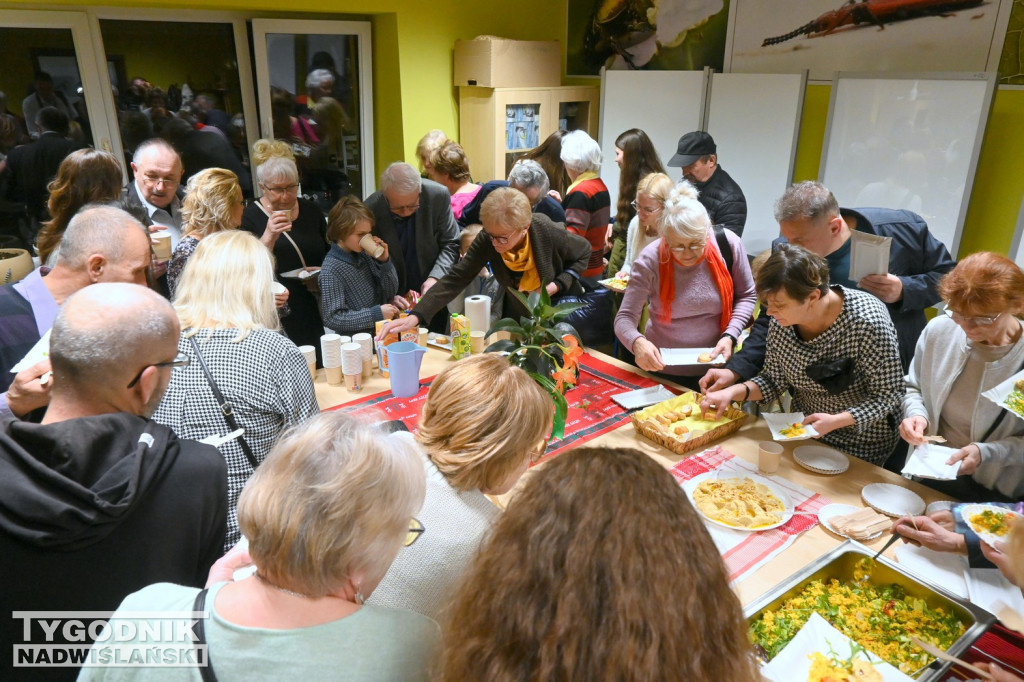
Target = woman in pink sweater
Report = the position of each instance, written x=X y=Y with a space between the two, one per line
x=696 y=300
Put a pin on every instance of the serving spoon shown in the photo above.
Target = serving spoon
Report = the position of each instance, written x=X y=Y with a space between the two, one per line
x=942 y=655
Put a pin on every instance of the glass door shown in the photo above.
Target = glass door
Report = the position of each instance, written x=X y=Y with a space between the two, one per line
x=314 y=85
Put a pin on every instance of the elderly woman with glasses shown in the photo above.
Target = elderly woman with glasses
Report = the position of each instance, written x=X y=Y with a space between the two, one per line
x=697 y=298
x=471 y=449
x=295 y=232
x=976 y=346
x=302 y=615
x=526 y=251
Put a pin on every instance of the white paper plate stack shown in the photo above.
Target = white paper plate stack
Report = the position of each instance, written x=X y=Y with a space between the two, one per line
x=821 y=459
x=892 y=500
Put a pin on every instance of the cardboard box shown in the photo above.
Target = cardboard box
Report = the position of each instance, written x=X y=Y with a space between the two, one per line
x=491 y=62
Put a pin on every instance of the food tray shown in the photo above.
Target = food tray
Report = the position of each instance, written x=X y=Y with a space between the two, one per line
x=641 y=422
x=839 y=564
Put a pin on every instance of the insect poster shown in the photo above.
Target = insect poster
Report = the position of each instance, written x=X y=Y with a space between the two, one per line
x=825 y=36
x=645 y=34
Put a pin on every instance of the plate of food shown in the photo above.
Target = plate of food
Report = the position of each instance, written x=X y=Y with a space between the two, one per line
x=689 y=356
x=748 y=503
x=990 y=522
x=439 y=341
x=892 y=500
x=615 y=283
x=789 y=426
x=855 y=523
x=1009 y=395
x=821 y=459
x=301 y=273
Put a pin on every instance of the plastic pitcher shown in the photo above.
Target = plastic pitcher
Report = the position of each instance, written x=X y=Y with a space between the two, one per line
x=403 y=360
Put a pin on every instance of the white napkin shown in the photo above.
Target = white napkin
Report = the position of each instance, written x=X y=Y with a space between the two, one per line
x=988 y=588
x=929 y=461
x=939 y=568
x=37 y=353
x=869 y=255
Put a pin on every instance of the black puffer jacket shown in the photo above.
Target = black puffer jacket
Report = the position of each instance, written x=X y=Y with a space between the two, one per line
x=724 y=200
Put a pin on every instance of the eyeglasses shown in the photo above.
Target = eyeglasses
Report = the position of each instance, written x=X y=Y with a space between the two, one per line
x=407 y=208
x=279 y=190
x=415 y=531
x=638 y=208
x=503 y=240
x=692 y=248
x=976 y=321
x=180 y=360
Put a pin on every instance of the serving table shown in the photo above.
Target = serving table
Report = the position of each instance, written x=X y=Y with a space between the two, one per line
x=844 y=488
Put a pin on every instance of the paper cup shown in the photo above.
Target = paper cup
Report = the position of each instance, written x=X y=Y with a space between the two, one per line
x=330 y=348
x=288 y=215
x=367 y=368
x=371 y=247
x=422 y=331
x=476 y=341
x=161 y=244
x=312 y=370
x=769 y=456
x=277 y=288
x=334 y=375
x=309 y=352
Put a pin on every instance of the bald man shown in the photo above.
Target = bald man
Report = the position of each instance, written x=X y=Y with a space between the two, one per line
x=101 y=244
x=98 y=501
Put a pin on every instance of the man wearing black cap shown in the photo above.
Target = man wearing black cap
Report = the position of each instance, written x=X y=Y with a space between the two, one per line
x=721 y=196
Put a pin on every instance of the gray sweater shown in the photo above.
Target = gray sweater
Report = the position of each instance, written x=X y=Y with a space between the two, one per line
x=942 y=352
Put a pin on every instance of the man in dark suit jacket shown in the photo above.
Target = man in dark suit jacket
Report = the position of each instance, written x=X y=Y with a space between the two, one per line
x=32 y=166
x=414 y=216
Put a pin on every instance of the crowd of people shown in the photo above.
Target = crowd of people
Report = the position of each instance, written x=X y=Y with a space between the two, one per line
x=174 y=419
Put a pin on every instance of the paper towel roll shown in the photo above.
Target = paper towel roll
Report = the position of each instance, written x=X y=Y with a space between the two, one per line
x=478 y=312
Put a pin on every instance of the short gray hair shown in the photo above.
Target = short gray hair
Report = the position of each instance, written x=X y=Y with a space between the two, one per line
x=319 y=78
x=807 y=200
x=277 y=168
x=580 y=153
x=152 y=142
x=106 y=331
x=96 y=228
x=400 y=177
x=528 y=173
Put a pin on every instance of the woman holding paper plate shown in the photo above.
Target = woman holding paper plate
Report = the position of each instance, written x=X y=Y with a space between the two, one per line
x=972 y=349
x=696 y=300
x=834 y=349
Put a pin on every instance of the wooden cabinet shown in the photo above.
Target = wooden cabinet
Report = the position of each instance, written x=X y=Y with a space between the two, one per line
x=497 y=125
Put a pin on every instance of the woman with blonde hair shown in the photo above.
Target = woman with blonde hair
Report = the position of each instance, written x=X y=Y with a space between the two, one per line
x=449 y=167
x=325 y=515
x=85 y=176
x=427 y=144
x=294 y=230
x=229 y=329
x=651 y=194
x=213 y=203
x=697 y=298
x=600 y=569
x=472 y=449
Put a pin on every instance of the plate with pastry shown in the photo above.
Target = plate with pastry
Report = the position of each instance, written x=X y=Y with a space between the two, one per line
x=789 y=426
x=690 y=356
x=741 y=502
x=439 y=341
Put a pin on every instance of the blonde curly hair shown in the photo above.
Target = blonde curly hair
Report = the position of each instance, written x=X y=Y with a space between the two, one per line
x=211 y=198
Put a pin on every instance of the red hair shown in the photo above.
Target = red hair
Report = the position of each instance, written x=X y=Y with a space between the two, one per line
x=984 y=283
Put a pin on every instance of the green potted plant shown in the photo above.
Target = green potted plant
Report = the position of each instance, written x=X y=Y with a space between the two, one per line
x=545 y=347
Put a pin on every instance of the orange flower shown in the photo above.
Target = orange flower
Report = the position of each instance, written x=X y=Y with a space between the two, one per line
x=564 y=377
x=571 y=351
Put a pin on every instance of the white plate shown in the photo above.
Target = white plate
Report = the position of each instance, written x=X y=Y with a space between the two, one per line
x=999 y=393
x=297 y=273
x=787 y=504
x=892 y=500
x=675 y=357
x=777 y=421
x=830 y=511
x=970 y=509
x=607 y=284
x=432 y=341
x=643 y=397
x=821 y=459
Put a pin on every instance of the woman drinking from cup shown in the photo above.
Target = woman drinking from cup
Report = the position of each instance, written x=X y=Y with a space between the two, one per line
x=696 y=299
x=834 y=349
x=294 y=231
x=959 y=356
x=358 y=279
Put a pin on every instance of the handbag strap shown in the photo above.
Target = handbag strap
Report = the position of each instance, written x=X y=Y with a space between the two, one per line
x=286 y=236
x=206 y=672
x=223 y=404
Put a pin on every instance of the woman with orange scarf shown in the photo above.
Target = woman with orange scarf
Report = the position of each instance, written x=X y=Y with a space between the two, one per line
x=525 y=251
x=695 y=300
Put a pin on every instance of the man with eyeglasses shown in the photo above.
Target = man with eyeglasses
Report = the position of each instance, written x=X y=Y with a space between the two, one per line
x=154 y=193
x=99 y=501
x=809 y=216
x=414 y=216
x=101 y=244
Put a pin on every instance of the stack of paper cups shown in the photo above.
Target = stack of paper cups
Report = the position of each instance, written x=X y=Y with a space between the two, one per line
x=346 y=339
x=365 y=342
x=330 y=348
x=310 y=353
x=352 y=365
x=478 y=312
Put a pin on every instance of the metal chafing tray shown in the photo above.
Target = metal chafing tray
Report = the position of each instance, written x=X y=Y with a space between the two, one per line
x=839 y=564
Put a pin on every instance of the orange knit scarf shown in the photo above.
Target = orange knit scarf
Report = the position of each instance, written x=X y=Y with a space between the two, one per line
x=667 y=281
